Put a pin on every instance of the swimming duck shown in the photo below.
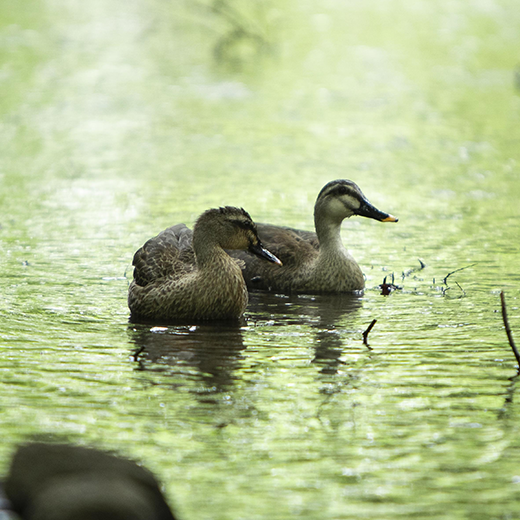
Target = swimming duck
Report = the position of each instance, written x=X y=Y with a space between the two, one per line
x=185 y=274
x=314 y=262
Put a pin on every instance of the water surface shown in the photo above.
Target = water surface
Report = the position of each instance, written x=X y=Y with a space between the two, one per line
x=119 y=119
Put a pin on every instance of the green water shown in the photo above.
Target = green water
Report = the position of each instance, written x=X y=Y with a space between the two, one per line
x=120 y=118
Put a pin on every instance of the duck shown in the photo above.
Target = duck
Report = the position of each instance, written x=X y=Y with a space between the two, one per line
x=313 y=262
x=62 y=481
x=187 y=275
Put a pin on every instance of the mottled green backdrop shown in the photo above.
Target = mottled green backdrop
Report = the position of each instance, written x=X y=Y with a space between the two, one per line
x=119 y=118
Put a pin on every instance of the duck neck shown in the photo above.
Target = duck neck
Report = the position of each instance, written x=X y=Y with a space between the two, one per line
x=211 y=257
x=328 y=230
x=208 y=251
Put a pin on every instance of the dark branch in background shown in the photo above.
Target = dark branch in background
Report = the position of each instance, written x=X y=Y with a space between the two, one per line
x=223 y=9
x=242 y=29
x=508 y=330
x=365 y=334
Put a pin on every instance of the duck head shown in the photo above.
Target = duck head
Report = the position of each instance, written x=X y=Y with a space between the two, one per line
x=233 y=228
x=342 y=198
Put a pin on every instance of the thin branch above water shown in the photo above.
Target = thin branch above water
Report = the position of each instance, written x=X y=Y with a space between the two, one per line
x=508 y=329
x=456 y=271
x=365 y=334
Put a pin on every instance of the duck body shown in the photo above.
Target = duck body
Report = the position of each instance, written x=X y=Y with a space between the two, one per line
x=183 y=274
x=307 y=268
x=314 y=262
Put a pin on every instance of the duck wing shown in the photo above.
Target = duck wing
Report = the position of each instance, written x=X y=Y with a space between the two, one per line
x=169 y=253
x=291 y=246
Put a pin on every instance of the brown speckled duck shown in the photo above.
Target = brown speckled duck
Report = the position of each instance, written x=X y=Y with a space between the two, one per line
x=313 y=262
x=182 y=274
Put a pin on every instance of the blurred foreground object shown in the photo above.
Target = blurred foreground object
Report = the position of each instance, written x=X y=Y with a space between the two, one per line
x=65 y=482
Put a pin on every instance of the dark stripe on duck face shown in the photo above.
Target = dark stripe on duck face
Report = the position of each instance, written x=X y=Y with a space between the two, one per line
x=339 y=188
x=247 y=225
x=349 y=194
x=239 y=217
x=342 y=189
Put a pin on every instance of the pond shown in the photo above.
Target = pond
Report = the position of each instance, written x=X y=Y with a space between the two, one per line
x=119 y=119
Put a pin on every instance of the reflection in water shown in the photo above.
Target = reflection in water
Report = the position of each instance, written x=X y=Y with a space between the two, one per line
x=322 y=313
x=214 y=350
x=97 y=96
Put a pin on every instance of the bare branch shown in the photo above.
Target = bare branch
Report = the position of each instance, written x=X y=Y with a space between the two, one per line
x=456 y=271
x=365 y=334
x=508 y=330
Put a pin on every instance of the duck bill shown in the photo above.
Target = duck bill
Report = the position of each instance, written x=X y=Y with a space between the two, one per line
x=260 y=251
x=367 y=210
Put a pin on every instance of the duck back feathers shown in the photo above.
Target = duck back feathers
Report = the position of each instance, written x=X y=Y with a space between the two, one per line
x=170 y=251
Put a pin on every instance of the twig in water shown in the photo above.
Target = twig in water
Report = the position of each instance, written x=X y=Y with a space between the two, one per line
x=365 y=334
x=135 y=355
x=387 y=288
x=445 y=282
x=508 y=330
x=456 y=271
x=414 y=269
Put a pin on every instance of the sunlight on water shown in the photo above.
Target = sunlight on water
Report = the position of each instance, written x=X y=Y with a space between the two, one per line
x=122 y=118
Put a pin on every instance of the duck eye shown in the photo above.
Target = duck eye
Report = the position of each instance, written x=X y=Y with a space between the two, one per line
x=246 y=225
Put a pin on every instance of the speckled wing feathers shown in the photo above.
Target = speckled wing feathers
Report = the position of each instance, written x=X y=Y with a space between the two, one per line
x=291 y=246
x=168 y=254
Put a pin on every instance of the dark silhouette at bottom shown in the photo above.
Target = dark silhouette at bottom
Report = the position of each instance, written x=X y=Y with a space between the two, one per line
x=66 y=482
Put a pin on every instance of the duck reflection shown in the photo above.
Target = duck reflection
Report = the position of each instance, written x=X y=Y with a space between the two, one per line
x=213 y=350
x=321 y=312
